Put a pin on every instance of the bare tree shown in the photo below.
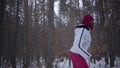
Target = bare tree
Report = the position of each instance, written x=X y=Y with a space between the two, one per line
x=2 y=12
x=50 y=56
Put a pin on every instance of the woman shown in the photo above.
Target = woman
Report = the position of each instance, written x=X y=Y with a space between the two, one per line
x=81 y=43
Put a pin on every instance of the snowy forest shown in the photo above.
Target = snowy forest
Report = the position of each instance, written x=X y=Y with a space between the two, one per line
x=44 y=29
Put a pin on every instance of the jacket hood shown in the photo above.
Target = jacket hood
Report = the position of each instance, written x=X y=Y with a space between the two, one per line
x=87 y=20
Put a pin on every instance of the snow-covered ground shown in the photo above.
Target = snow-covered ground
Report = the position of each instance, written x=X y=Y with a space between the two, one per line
x=66 y=64
x=98 y=64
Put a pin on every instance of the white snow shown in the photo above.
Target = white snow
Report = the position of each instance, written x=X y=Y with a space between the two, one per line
x=65 y=64
x=98 y=64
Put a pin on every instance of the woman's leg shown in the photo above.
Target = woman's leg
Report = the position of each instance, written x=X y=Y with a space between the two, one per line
x=78 y=61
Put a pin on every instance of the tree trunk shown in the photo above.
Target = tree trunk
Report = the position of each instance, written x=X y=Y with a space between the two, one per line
x=50 y=55
x=26 y=36
x=2 y=9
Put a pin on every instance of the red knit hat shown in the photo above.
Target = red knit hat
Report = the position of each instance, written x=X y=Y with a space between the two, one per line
x=87 y=20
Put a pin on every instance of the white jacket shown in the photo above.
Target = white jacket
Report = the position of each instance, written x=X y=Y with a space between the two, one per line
x=81 y=43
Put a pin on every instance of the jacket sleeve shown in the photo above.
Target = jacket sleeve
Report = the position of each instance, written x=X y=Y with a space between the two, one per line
x=85 y=42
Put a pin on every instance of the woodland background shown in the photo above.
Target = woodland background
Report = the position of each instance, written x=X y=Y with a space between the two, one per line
x=31 y=28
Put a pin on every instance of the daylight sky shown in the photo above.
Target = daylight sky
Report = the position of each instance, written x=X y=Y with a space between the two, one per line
x=56 y=6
